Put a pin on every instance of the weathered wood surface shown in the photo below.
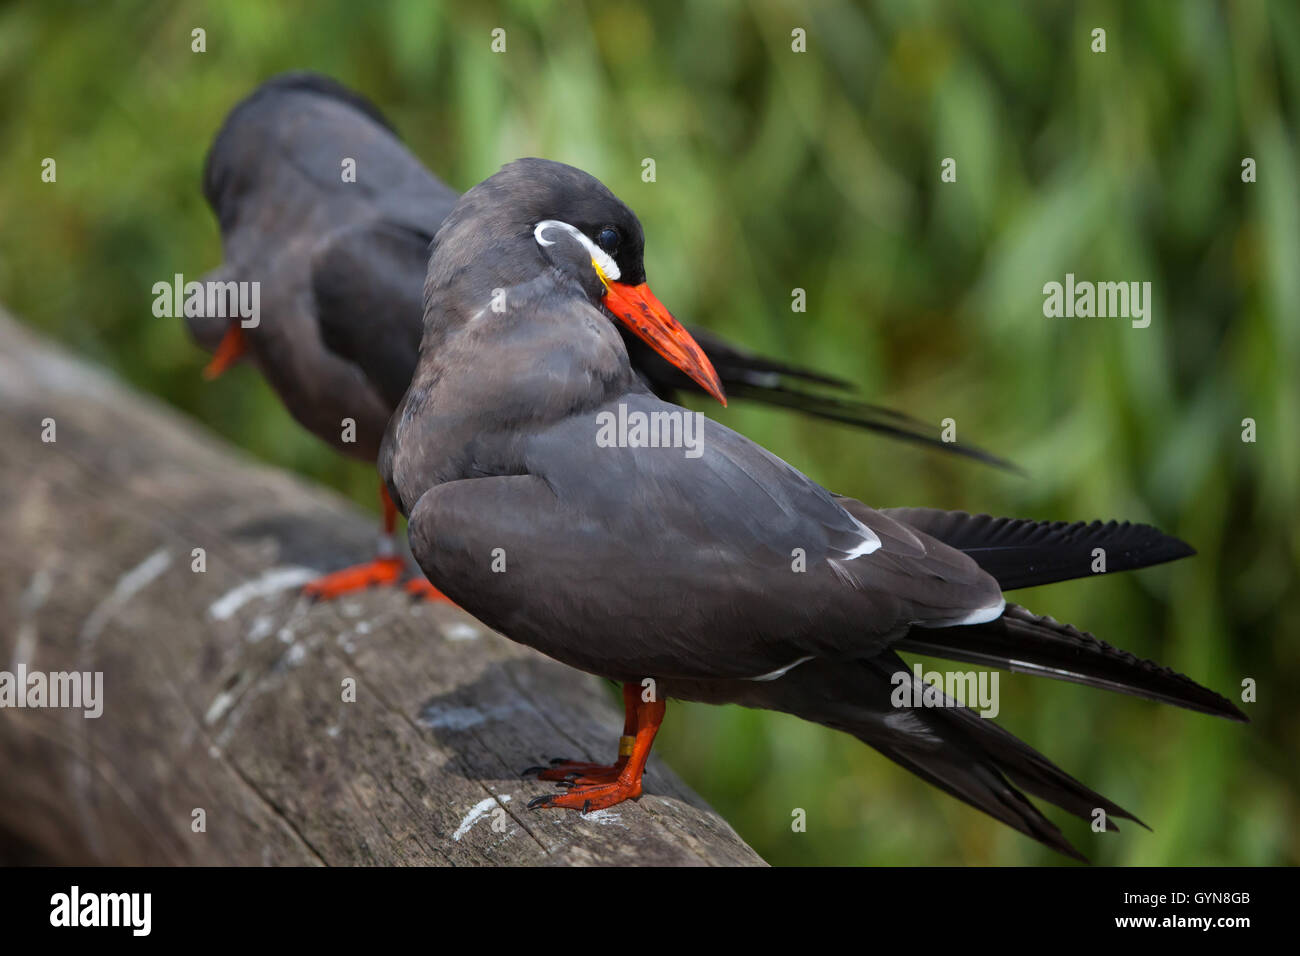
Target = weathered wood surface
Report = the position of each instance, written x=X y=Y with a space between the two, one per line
x=223 y=689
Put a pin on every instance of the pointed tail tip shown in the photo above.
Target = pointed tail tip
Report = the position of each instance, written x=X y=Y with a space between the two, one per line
x=1234 y=713
x=1209 y=703
x=1125 y=815
x=1066 y=848
x=1216 y=705
x=975 y=453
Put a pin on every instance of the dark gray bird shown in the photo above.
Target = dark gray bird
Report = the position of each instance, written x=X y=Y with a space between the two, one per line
x=342 y=263
x=707 y=569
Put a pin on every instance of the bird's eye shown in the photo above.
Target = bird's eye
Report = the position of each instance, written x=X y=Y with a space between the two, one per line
x=607 y=239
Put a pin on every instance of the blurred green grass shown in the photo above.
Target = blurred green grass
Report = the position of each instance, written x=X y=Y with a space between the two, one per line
x=779 y=170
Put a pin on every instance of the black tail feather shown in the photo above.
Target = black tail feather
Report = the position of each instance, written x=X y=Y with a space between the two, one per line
x=1022 y=553
x=863 y=415
x=1025 y=643
x=981 y=764
x=946 y=744
x=770 y=382
x=739 y=365
x=780 y=384
x=978 y=785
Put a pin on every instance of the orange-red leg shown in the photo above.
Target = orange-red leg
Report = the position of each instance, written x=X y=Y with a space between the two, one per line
x=376 y=573
x=612 y=785
x=578 y=772
x=386 y=568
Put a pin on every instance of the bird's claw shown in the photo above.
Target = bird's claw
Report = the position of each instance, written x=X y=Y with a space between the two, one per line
x=588 y=797
x=422 y=590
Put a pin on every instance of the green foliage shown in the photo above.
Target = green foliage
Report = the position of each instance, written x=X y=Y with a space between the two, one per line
x=821 y=170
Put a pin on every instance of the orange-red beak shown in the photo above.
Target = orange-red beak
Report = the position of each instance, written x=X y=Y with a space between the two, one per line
x=645 y=315
x=231 y=348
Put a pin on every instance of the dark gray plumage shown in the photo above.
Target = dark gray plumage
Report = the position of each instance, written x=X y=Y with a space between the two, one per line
x=332 y=257
x=634 y=562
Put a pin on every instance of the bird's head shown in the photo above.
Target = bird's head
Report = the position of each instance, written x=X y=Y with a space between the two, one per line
x=540 y=211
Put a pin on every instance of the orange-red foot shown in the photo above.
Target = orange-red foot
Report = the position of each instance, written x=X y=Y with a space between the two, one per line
x=594 y=786
x=421 y=588
x=576 y=773
x=596 y=796
x=376 y=573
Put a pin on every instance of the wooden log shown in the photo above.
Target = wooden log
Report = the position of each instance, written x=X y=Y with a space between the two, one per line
x=223 y=690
